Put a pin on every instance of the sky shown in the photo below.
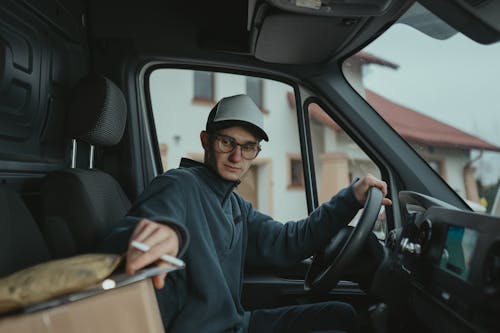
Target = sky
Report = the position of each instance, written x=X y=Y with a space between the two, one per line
x=456 y=81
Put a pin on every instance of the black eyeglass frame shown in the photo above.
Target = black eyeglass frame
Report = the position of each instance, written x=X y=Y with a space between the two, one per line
x=245 y=149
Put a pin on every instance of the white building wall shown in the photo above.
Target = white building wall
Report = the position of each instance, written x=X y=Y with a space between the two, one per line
x=264 y=197
x=455 y=166
x=453 y=162
x=281 y=122
x=228 y=85
x=331 y=143
x=172 y=93
x=318 y=146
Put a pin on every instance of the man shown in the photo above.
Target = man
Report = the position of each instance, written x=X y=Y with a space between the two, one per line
x=193 y=212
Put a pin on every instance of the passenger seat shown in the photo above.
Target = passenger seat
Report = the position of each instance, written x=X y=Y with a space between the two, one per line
x=81 y=205
x=21 y=242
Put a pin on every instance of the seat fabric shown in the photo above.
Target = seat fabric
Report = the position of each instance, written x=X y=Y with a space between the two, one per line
x=80 y=205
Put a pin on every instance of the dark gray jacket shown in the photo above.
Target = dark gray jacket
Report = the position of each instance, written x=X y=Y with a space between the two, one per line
x=221 y=232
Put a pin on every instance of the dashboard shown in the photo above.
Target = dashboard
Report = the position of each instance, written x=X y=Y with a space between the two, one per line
x=451 y=259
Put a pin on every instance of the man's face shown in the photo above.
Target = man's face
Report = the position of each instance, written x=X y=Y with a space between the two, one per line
x=230 y=166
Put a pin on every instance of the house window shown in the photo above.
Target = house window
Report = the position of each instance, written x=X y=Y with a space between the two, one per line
x=255 y=90
x=204 y=86
x=296 y=172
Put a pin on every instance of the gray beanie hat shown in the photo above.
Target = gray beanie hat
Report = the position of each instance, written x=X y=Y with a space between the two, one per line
x=238 y=110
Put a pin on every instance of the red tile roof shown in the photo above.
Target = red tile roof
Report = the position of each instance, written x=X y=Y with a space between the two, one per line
x=411 y=125
x=416 y=127
x=368 y=58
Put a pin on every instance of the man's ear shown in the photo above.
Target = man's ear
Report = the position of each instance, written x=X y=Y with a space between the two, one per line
x=204 y=140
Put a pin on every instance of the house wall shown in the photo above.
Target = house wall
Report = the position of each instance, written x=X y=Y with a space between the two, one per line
x=318 y=144
x=453 y=162
x=183 y=135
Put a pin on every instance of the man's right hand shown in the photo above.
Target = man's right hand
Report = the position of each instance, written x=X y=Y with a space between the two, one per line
x=161 y=238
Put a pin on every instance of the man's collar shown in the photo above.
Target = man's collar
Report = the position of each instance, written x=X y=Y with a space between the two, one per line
x=219 y=185
x=188 y=163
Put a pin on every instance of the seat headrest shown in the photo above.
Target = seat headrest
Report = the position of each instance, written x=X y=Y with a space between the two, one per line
x=98 y=111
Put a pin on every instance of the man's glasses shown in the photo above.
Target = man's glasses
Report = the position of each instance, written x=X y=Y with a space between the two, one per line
x=227 y=144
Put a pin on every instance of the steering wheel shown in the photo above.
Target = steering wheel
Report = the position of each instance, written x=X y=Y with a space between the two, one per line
x=329 y=263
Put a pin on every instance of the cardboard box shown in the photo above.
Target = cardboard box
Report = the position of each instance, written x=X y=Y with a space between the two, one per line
x=131 y=308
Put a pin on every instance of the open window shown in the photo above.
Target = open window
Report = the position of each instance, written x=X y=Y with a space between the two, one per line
x=179 y=121
x=338 y=160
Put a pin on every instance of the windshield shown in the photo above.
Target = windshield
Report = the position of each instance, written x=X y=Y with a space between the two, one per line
x=440 y=94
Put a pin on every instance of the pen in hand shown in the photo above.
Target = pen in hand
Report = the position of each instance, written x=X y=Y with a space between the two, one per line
x=165 y=257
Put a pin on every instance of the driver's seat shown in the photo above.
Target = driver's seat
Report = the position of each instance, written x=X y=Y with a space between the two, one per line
x=82 y=204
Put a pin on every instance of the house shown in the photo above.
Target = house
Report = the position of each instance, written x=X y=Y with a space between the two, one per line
x=447 y=149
